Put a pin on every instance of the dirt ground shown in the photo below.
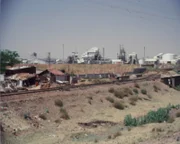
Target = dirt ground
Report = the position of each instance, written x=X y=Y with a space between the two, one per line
x=22 y=124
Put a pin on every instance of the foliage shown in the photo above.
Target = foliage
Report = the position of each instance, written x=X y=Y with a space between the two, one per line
x=135 y=91
x=161 y=115
x=133 y=100
x=121 y=93
x=64 y=114
x=143 y=91
x=117 y=134
x=156 y=89
x=178 y=114
x=43 y=116
x=177 y=88
x=58 y=102
x=128 y=91
x=8 y=58
x=111 y=90
x=119 y=105
x=136 y=85
x=110 y=99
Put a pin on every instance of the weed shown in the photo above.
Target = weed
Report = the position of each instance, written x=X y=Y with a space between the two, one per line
x=170 y=120
x=135 y=91
x=136 y=85
x=101 y=100
x=43 y=116
x=133 y=98
x=95 y=140
x=98 y=91
x=120 y=94
x=109 y=137
x=132 y=103
x=178 y=114
x=64 y=114
x=128 y=91
x=177 y=88
x=90 y=97
x=119 y=105
x=143 y=91
x=82 y=80
x=57 y=121
x=58 y=102
x=111 y=90
x=89 y=101
x=110 y=99
x=117 y=134
x=149 y=96
x=129 y=128
x=156 y=89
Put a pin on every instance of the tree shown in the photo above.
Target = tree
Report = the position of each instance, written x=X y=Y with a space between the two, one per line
x=8 y=58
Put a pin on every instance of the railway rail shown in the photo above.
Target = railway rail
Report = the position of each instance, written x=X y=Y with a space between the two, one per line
x=65 y=88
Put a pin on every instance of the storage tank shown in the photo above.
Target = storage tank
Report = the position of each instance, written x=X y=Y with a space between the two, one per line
x=168 y=57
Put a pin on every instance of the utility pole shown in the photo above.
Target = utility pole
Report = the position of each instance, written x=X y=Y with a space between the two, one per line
x=144 y=52
x=103 y=53
x=63 y=52
x=49 y=58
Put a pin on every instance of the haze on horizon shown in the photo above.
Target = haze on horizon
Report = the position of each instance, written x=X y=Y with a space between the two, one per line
x=43 y=26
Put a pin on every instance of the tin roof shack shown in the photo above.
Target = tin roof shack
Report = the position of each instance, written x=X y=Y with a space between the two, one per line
x=22 y=69
x=53 y=75
x=172 y=81
x=23 y=79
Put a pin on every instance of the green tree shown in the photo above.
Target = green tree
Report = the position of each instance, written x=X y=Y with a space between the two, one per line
x=8 y=58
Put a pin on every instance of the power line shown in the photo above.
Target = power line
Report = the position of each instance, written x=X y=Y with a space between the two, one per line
x=131 y=11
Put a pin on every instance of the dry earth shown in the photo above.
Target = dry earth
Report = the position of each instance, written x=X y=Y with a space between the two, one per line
x=87 y=105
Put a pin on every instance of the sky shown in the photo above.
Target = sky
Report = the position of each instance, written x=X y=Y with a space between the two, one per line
x=43 y=26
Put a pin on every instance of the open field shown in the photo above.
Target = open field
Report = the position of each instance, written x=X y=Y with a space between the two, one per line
x=63 y=117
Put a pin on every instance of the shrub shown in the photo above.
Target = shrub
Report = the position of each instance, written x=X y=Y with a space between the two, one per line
x=128 y=91
x=110 y=99
x=64 y=114
x=82 y=80
x=89 y=101
x=119 y=105
x=178 y=114
x=120 y=93
x=132 y=103
x=95 y=140
x=136 y=85
x=117 y=134
x=133 y=98
x=156 y=89
x=143 y=91
x=57 y=121
x=135 y=91
x=111 y=90
x=43 y=116
x=170 y=120
x=161 y=115
x=109 y=137
x=177 y=88
x=58 y=103
x=90 y=97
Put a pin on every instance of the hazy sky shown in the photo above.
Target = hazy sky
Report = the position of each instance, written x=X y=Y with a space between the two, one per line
x=42 y=26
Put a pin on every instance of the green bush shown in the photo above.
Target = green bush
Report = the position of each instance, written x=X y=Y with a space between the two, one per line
x=177 y=88
x=58 y=103
x=120 y=93
x=135 y=91
x=110 y=99
x=119 y=105
x=128 y=91
x=161 y=115
x=143 y=91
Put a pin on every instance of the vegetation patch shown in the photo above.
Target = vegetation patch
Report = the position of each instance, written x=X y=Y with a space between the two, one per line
x=110 y=99
x=136 y=85
x=161 y=115
x=144 y=91
x=156 y=89
x=111 y=90
x=177 y=88
x=58 y=102
x=119 y=105
x=178 y=114
x=133 y=100
x=117 y=134
x=64 y=114
x=135 y=91
x=43 y=116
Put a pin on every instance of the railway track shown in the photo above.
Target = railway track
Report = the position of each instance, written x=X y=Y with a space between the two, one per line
x=66 y=88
